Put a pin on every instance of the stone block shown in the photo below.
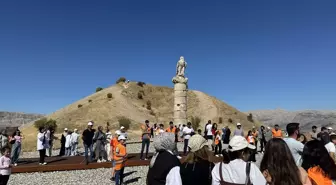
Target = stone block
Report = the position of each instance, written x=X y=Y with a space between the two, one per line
x=180 y=94
x=178 y=121
x=180 y=87
x=180 y=100
x=180 y=114
x=182 y=107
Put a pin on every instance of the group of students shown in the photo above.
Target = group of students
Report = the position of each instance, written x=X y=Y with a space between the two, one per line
x=286 y=161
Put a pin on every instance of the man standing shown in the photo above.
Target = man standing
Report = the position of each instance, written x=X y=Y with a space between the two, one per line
x=120 y=156
x=296 y=147
x=172 y=129
x=209 y=136
x=187 y=132
x=324 y=135
x=331 y=147
x=87 y=137
x=226 y=137
x=74 y=142
x=276 y=132
x=313 y=133
x=239 y=131
x=146 y=132
x=261 y=138
x=255 y=135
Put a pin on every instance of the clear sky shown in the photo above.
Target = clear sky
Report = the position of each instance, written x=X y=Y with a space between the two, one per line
x=250 y=54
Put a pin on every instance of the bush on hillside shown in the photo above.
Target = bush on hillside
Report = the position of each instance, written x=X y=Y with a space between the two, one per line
x=46 y=123
x=109 y=95
x=230 y=120
x=195 y=122
x=125 y=122
x=79 y=105
x=89 y=101
x=121 y=79
x=149 y=105
x=152 y=113
x=141 y=84
x=220 y=120
x=99 y=89
x=140 y=97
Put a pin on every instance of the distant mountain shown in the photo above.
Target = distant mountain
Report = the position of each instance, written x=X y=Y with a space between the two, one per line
x=17 y=118
x=307 y=118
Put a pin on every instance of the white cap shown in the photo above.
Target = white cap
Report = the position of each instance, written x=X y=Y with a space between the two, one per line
x=238 y=143
x=75 y=130
x=253 y=127
x=269 y=127
x=117 y=132
x=65 y=129
x=90 y=123
x=121 y=137
x=329 y=128
x=122 y=127
x=238 y=124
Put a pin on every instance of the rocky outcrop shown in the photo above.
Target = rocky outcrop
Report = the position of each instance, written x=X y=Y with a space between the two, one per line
x=307 y=118
x=16 y=119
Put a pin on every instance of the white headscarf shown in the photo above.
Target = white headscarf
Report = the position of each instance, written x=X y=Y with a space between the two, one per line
x=164 y=141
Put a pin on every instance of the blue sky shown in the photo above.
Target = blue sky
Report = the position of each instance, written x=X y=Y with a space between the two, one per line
x=250 y=54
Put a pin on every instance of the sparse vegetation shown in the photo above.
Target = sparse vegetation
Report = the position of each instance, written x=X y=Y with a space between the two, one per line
x=195 y=122
x=46 y=123
x=140 y=97
x=121 y=79
x=149 y=105
x=152 y=113
x=250 y=118
x=109 y=95
x=79 y=105
x=141 y=84
x=230 y=120
x=125 y=122
x=99 y=89
x=220 y=120
x=89 y=101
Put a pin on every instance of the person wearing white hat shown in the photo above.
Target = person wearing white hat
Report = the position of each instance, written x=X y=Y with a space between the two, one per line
x=74 y=142
x=239 y=130
x=120 y=155
x=238 y=170
x=87 y=137
x=123 y=132
x=197 y=167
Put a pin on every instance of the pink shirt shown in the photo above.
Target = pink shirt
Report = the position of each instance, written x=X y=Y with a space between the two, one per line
x=4 y=165
x=18 y=138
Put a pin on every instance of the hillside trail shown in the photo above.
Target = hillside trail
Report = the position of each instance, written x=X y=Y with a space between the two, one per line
x=206 y=108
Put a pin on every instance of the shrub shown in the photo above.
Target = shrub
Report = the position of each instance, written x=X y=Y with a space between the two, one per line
x=79 y=105
x=121 y=79
x=250 y=118
x=46 y=123
x=99 y=89
x=109 y=95
x=141 y=84
x=149 y=105
x=140 y=95
x=125 y=122
x=195 y=122
x=152 y=113
x=89 y=101
x=220 y=120
x=230 y=120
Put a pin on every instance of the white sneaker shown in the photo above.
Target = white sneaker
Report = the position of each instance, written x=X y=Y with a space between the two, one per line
x=103 y=161
x=45 y=163
x=99 y=161
x=179 y=157
x=15 y=164
x=217 y=155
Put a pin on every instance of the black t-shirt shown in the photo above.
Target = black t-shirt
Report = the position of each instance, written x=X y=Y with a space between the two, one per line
x=197 y=173
x=324 y=136
x=88 y=136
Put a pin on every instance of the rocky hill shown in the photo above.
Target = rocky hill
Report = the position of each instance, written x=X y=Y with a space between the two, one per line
x=307 y=118
x=131 y=101
x=17 y=119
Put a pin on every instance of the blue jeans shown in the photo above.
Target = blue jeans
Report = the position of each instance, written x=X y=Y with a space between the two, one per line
x=86 y=148
x=145 y=142
x=119 y=176
x=16 y=150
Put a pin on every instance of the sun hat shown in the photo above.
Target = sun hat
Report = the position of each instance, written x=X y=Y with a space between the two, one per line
x=197 y=142
x=122 y=127
x=238 y=143
x=65 y=129
x=117 y=132
x=121 y=137
x=90 y=123
x=238 y=124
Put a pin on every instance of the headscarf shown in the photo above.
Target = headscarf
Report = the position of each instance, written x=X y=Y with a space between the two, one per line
x=163 y=142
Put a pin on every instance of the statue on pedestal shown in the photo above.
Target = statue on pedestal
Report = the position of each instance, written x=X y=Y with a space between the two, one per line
x=180 y=70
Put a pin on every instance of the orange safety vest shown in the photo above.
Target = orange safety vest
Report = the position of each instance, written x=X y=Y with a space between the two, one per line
x=145 y=128
x=171 y=130
x=121 y=150
x=276 y=134
x=316 y=174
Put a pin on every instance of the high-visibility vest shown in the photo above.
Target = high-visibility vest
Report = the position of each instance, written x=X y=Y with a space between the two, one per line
x=277 y=134
x=144 y=128
x=121 y=150
x=173 y=130
x=316 y=174
x=114 y=142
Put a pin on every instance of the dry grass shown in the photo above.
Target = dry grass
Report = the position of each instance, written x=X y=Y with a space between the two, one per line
x=125 y=103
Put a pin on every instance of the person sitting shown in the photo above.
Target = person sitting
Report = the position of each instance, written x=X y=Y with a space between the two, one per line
x=239 y=170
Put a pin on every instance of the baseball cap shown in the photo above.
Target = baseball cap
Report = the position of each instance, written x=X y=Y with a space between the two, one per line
x=329 y=128
x=122 y=127
x=122 y=137
x=117 y=132
x=238 y=124
x=197 y=142
x=90 y=123
x=238 y=143
x=66 y=129
x=75 y=130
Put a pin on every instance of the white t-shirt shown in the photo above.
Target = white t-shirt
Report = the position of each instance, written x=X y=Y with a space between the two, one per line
x=209 y=128
x=235 y=172
x=330 y=147
x=296 y=149
x=188 y=131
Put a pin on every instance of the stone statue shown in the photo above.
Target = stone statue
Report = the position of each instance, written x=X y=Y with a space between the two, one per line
x=181 y=66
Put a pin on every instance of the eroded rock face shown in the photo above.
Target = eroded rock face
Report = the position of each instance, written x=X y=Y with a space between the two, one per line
x=17 y=118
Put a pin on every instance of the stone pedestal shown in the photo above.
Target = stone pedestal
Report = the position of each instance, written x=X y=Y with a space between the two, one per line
x=180 y=100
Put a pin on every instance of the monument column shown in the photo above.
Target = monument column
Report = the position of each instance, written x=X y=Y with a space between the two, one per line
x=180 y=93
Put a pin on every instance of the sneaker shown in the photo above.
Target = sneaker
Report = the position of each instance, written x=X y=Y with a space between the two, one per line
x=99 y=161
x=103 y=160
x=112 y=179
x=45 y=163
x=40 y=164
x=217 y=155
x=146 y=159
x=15 y=164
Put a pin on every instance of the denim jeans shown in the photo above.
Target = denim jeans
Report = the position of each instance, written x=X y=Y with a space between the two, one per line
x=119 y=176
x=68 y=151
x=16 y=150
x=185 y=149
x=86 y=148
x=74 y=149
x=145 y=142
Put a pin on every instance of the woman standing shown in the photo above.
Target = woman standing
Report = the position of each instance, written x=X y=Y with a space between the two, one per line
x=41 y=144
x=16 y=146
x=107 y=144
x=196 y=168
x=280 y=167
x=100 y=140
